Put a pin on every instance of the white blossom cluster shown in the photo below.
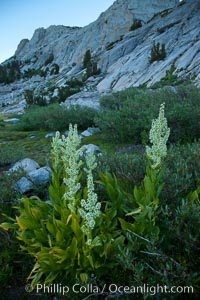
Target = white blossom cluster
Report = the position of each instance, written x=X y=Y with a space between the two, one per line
x=72 y=163
x=68 y=151
x=57 y=146
x=90 y=207
x=158 y=136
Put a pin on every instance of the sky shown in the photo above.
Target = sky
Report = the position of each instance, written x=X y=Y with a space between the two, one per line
x=20 y=18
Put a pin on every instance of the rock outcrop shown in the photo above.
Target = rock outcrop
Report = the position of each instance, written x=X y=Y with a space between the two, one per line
x=128 y=65
x=68 y=44
x=120 y=49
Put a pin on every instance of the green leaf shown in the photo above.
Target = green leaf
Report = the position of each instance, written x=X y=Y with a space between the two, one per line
x=59 y=236
x=134 y=212
x=194 y=196
x=138 y=194
x=149 y=187
x=21 y=224
x=7 y=226
x=126 y=225
x=89 y=257
x=76 y=228
x=84 y=277
x=51 y=228
x=118 y=241
x=96 y=241
x=50 y=278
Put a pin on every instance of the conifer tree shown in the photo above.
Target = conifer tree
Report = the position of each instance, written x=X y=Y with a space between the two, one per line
x=158 y=52
x=87 y=59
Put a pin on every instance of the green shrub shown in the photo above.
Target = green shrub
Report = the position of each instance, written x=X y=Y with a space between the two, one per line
x=32 y=99
x=151 y=250
x=87 y=59
x=15 y=266
x=171 y=79
x=78 y=235
x=128 y=167
x=10 y=72
x=112 y=44
x=136 y=24
x=90 y=65
x=69 y=237
x=126 y=116
x=92 y=70
x=64 y=92
x=9 y=194
x=182 y=173
x=74 y=83
x=33 y=72
x=10 y=154
x=54 y=69
x=158 y=52
x=55 y=117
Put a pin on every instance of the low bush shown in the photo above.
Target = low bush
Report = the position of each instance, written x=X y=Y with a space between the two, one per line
x=65 y=92
x=55 y=117
x=73 y=234
x=9 y=194
x=136 y=24
x=182 y=170
x=74 y=83
x=171 y=79
x=126 y=116
x=10 y=154
x=32 y=99
x=10 y=72
x=15 y=266
x=158 y=52
x=90 y=65
x=34 y=72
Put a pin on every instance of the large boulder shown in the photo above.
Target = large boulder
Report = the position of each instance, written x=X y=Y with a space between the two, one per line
x=40 y=176
x=88 y=99
x=26 y=164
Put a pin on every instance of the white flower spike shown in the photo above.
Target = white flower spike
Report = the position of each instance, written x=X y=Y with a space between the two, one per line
x=158 y=136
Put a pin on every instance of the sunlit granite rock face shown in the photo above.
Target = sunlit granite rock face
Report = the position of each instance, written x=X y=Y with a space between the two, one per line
x=69 y=44
x=121 y=54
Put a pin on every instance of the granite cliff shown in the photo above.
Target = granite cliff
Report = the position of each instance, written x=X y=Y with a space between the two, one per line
x=120 y=42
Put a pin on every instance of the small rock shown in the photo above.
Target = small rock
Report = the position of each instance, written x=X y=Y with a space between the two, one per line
x=55 y=93
x=86 y=133
x=90 y=148
x=94 y=130
x=31 y=136
x=51 y=134
x=12 y=120
x=24 y=185
x=90 y=131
